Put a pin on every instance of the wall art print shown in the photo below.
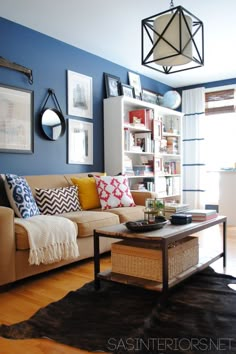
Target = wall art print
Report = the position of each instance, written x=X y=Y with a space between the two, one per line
x=80 y=138
x=16 y=120
x=79 y=95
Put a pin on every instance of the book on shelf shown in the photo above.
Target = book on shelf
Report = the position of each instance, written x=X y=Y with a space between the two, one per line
x=128 y=166
x=138 y=186
x=172 y=167
x=143 y=170
x=202 y=214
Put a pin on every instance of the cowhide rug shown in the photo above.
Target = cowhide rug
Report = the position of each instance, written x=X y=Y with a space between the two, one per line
x=200 y=317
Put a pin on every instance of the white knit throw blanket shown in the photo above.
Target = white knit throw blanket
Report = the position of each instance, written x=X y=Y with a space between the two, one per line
x=51 y=238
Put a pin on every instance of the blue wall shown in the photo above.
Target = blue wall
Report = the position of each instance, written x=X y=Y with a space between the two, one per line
x=50 y=59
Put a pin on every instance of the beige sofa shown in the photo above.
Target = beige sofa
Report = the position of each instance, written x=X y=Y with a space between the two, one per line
x=14 y=245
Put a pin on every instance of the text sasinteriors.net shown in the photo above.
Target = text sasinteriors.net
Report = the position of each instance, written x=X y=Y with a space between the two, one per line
x=170 y=344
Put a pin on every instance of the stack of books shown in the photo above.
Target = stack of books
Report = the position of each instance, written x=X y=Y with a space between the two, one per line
x=173 y=208
x=202 y=214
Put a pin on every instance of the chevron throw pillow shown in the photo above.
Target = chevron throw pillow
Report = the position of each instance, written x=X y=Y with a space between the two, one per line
x=57 y=200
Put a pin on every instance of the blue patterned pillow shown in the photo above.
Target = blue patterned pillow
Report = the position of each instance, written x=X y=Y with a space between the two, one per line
x=20 y=196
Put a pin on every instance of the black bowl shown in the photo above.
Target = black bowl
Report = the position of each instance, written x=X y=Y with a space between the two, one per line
x=143 y=226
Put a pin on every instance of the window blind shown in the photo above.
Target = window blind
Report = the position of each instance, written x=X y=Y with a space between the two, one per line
x=218 y=102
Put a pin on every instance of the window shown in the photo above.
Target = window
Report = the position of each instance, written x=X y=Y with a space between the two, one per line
x=220 y=133
x=220 y=129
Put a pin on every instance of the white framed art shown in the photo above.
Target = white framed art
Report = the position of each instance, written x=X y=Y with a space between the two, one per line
x=16 y=120
x=134 y=80
x=80 y=142
x=79 y=95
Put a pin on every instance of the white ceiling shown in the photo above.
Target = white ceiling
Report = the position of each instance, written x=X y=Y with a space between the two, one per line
x=112 y=29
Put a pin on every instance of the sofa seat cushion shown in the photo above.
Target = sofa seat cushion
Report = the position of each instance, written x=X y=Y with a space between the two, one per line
x=129 y=214
x=89 y=220
x=86 y=222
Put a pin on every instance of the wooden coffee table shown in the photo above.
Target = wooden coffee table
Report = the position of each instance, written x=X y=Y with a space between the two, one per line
x=168 y=234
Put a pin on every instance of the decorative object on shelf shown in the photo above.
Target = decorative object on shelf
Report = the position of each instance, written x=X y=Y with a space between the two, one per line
x=16 y=120
x=127 y=90
x=134 y=80
x=9 y=65
x=52 y=120
x=80 y=95
x=150 y=96
x=171 y=99
x=80 y=137
x=172 y=41
x=112 y=85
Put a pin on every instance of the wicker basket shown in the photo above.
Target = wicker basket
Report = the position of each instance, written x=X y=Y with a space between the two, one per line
x=144 y=260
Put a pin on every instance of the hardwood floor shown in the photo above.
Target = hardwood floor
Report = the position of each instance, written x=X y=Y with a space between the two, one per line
x=24 y=298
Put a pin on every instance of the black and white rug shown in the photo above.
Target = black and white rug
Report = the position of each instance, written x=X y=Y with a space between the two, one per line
x=200 y=317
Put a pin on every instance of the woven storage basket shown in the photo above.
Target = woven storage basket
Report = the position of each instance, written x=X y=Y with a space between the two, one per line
x=144 y=260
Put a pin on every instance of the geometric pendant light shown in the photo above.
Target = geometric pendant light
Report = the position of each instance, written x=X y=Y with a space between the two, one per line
x=172 y=41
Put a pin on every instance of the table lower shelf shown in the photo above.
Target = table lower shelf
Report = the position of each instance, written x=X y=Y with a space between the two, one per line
x=204 y=261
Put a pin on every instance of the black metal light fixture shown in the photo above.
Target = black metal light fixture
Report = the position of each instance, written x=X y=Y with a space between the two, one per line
x=172 y=41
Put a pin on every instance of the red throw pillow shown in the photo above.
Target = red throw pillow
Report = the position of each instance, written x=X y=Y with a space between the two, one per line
x=114 y=192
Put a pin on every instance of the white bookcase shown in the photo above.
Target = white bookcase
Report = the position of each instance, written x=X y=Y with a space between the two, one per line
x=147 y=151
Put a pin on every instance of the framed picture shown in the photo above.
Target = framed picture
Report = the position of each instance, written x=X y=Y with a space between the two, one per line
x=127 y=90
x=150 y=96
x=16 y=120
x=112 y=85
x=80 y=142
x=79 y=95
x=134 y=80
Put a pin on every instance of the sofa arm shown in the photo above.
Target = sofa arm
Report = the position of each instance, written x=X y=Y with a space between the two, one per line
x=7 y=246
x=140 y=196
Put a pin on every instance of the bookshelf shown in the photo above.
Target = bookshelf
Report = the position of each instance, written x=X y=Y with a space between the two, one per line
x=143 y=141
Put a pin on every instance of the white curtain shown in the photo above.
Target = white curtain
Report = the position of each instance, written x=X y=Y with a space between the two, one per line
x=194 y=167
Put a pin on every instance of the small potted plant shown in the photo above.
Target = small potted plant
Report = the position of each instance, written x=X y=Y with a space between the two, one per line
x=159 y=206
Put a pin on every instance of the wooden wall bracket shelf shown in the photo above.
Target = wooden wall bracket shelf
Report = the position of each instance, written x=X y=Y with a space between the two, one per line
x=8 y=64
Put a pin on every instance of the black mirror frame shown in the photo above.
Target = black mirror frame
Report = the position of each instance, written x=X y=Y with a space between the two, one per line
x=62 y=122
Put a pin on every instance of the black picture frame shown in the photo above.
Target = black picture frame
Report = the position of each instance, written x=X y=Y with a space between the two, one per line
x=112 y=85
x=16 y=120
x=127 y=90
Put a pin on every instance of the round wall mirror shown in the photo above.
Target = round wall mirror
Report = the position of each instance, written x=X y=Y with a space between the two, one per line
x=52 y=123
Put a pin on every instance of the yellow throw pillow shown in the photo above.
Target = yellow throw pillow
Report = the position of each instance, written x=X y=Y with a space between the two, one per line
x=87 y=190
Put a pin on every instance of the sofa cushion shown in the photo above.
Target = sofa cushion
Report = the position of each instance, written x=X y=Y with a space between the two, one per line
x=57 y=200
x=20 y=196
x=86 y=222
x=88 y=194
x=89 y=220
x=129 y=214
x=114 y=192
